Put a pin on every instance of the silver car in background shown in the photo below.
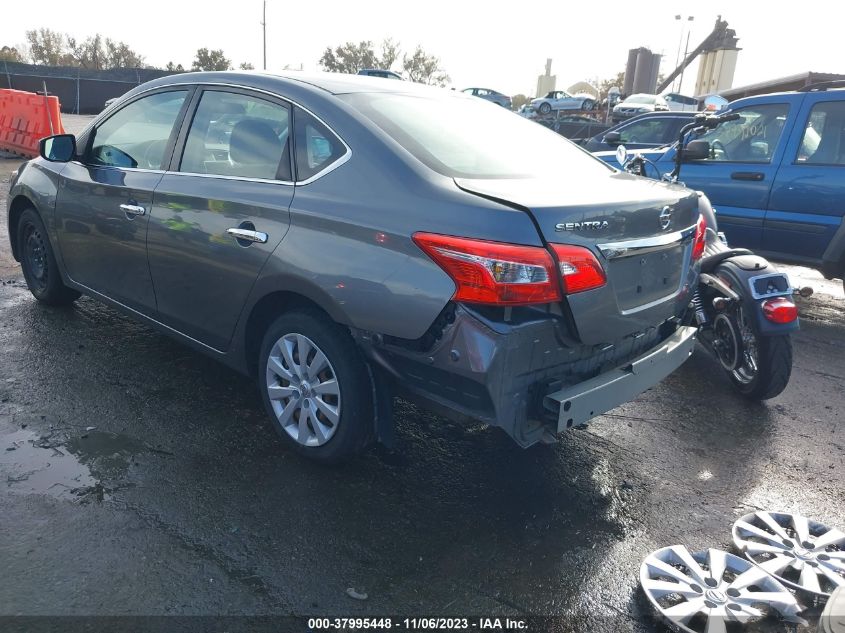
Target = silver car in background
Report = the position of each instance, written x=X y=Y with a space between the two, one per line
x=490 y=95
x=562 y=100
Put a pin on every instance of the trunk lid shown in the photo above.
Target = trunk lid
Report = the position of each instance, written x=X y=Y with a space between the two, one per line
x=640 y=230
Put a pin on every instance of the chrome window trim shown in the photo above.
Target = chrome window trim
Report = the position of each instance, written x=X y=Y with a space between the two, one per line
x=301 y=183
x=132 y=169
x=641 y=246
x=268 y=181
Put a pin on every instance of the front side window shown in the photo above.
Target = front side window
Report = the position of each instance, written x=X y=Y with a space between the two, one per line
x=316 y=146
x=137 y=135
x=238 y=135
x=752 y=138
x=648 y=131
x=823 y=142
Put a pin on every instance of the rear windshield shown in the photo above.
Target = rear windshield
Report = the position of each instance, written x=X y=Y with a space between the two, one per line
x=465 y=137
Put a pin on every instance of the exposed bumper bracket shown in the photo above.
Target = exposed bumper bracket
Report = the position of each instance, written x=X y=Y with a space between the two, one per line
x=578 y=403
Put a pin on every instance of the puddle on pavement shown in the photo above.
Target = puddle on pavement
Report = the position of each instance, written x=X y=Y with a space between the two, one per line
x=78 y=467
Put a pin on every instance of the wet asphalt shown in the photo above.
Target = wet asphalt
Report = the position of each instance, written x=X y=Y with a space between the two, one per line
x=138 y=477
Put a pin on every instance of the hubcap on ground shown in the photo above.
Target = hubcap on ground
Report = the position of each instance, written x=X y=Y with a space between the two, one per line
x=704 y=591
x=800 y=552
x=303 y=390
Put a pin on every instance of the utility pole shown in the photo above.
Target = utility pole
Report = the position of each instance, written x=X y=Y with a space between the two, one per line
x=264 y=32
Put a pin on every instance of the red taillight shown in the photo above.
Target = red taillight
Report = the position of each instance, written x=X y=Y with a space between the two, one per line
x=492 y=272
x=579 y=268
x=780 y=310
x=700 y=240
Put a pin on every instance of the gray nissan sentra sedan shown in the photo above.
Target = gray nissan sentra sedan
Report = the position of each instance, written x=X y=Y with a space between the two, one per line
x=344 y=239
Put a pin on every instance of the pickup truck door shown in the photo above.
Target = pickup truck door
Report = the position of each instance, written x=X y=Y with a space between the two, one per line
x=738 y=176
x=808 y=197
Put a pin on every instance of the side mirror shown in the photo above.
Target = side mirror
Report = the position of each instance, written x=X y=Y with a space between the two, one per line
x=696 y=150
x=613 y=138
x=58 y=149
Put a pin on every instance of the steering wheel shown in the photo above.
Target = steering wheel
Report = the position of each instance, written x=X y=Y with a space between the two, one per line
x=716 y=144
x=156 y=150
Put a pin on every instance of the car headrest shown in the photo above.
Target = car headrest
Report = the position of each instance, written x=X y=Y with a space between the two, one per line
x=253 y=142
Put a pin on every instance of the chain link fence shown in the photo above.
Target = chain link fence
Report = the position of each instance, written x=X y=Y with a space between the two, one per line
x=80 y=90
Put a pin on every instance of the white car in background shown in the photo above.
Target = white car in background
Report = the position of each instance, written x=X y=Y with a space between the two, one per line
x=639 y=104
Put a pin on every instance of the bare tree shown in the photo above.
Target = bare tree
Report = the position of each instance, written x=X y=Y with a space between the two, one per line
x=211 y=60
x=174 y=68
x=247 y=66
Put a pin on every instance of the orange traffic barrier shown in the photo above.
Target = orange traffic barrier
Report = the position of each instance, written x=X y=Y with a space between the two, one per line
x=26 y=118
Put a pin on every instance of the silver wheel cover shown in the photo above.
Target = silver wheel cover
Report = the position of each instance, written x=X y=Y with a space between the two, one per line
x=303 y=390
x=799 y=552
x=702 y=592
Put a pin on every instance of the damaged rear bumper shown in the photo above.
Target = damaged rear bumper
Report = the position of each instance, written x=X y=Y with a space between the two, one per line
x=519 y=375
x=576 y=404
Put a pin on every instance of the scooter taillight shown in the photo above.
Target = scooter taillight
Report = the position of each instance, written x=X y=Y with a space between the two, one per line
x=780 y=310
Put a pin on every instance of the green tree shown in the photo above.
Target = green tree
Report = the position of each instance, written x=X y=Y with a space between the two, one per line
x=211 y=60
x=48 y=47
x=424 y=68
x=519 y=100
x=174 y=68
x=617 y=80
x=247 y=66
x=11 y=54
x=120 y=55
x=352 y=57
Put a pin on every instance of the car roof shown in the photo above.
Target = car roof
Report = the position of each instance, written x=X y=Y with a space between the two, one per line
x=333 y=83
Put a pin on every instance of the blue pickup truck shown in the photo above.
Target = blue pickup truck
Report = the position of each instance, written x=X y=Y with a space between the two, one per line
x=776 y=175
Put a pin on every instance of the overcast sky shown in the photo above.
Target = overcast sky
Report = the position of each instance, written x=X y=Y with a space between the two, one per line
x=500 y=45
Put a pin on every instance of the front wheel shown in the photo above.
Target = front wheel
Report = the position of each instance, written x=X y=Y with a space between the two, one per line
x=545 y=108
x=316 y=386
x=38 y=262
x=758 y=366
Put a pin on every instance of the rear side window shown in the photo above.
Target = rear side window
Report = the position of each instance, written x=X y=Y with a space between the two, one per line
x=317 y=147
x=238 y=135
x=824 y=135
x=136 y=136
x=753 y=138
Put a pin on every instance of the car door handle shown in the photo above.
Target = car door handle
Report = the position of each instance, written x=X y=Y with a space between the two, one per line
x=133 y=209
x=247 y=235
x=747 y=175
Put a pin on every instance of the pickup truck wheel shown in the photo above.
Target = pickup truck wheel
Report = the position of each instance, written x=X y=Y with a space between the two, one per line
x=315 y=386
x=39 y=263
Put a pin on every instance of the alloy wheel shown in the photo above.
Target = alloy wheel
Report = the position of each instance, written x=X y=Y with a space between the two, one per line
x=799 y=552
x=303 y=390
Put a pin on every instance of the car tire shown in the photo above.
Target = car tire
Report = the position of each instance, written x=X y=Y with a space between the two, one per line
x=588 y=104
x=38 y=262
x=324 y=408
x=544 y=108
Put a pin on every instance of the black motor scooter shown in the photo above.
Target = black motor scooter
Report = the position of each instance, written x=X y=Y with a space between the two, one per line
x=742 y=306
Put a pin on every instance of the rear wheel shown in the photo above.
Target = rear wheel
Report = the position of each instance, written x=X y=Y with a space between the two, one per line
x=758 y=366
x=316 y=386
x=588 y=104
x=545 y=108
x=39 y=263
